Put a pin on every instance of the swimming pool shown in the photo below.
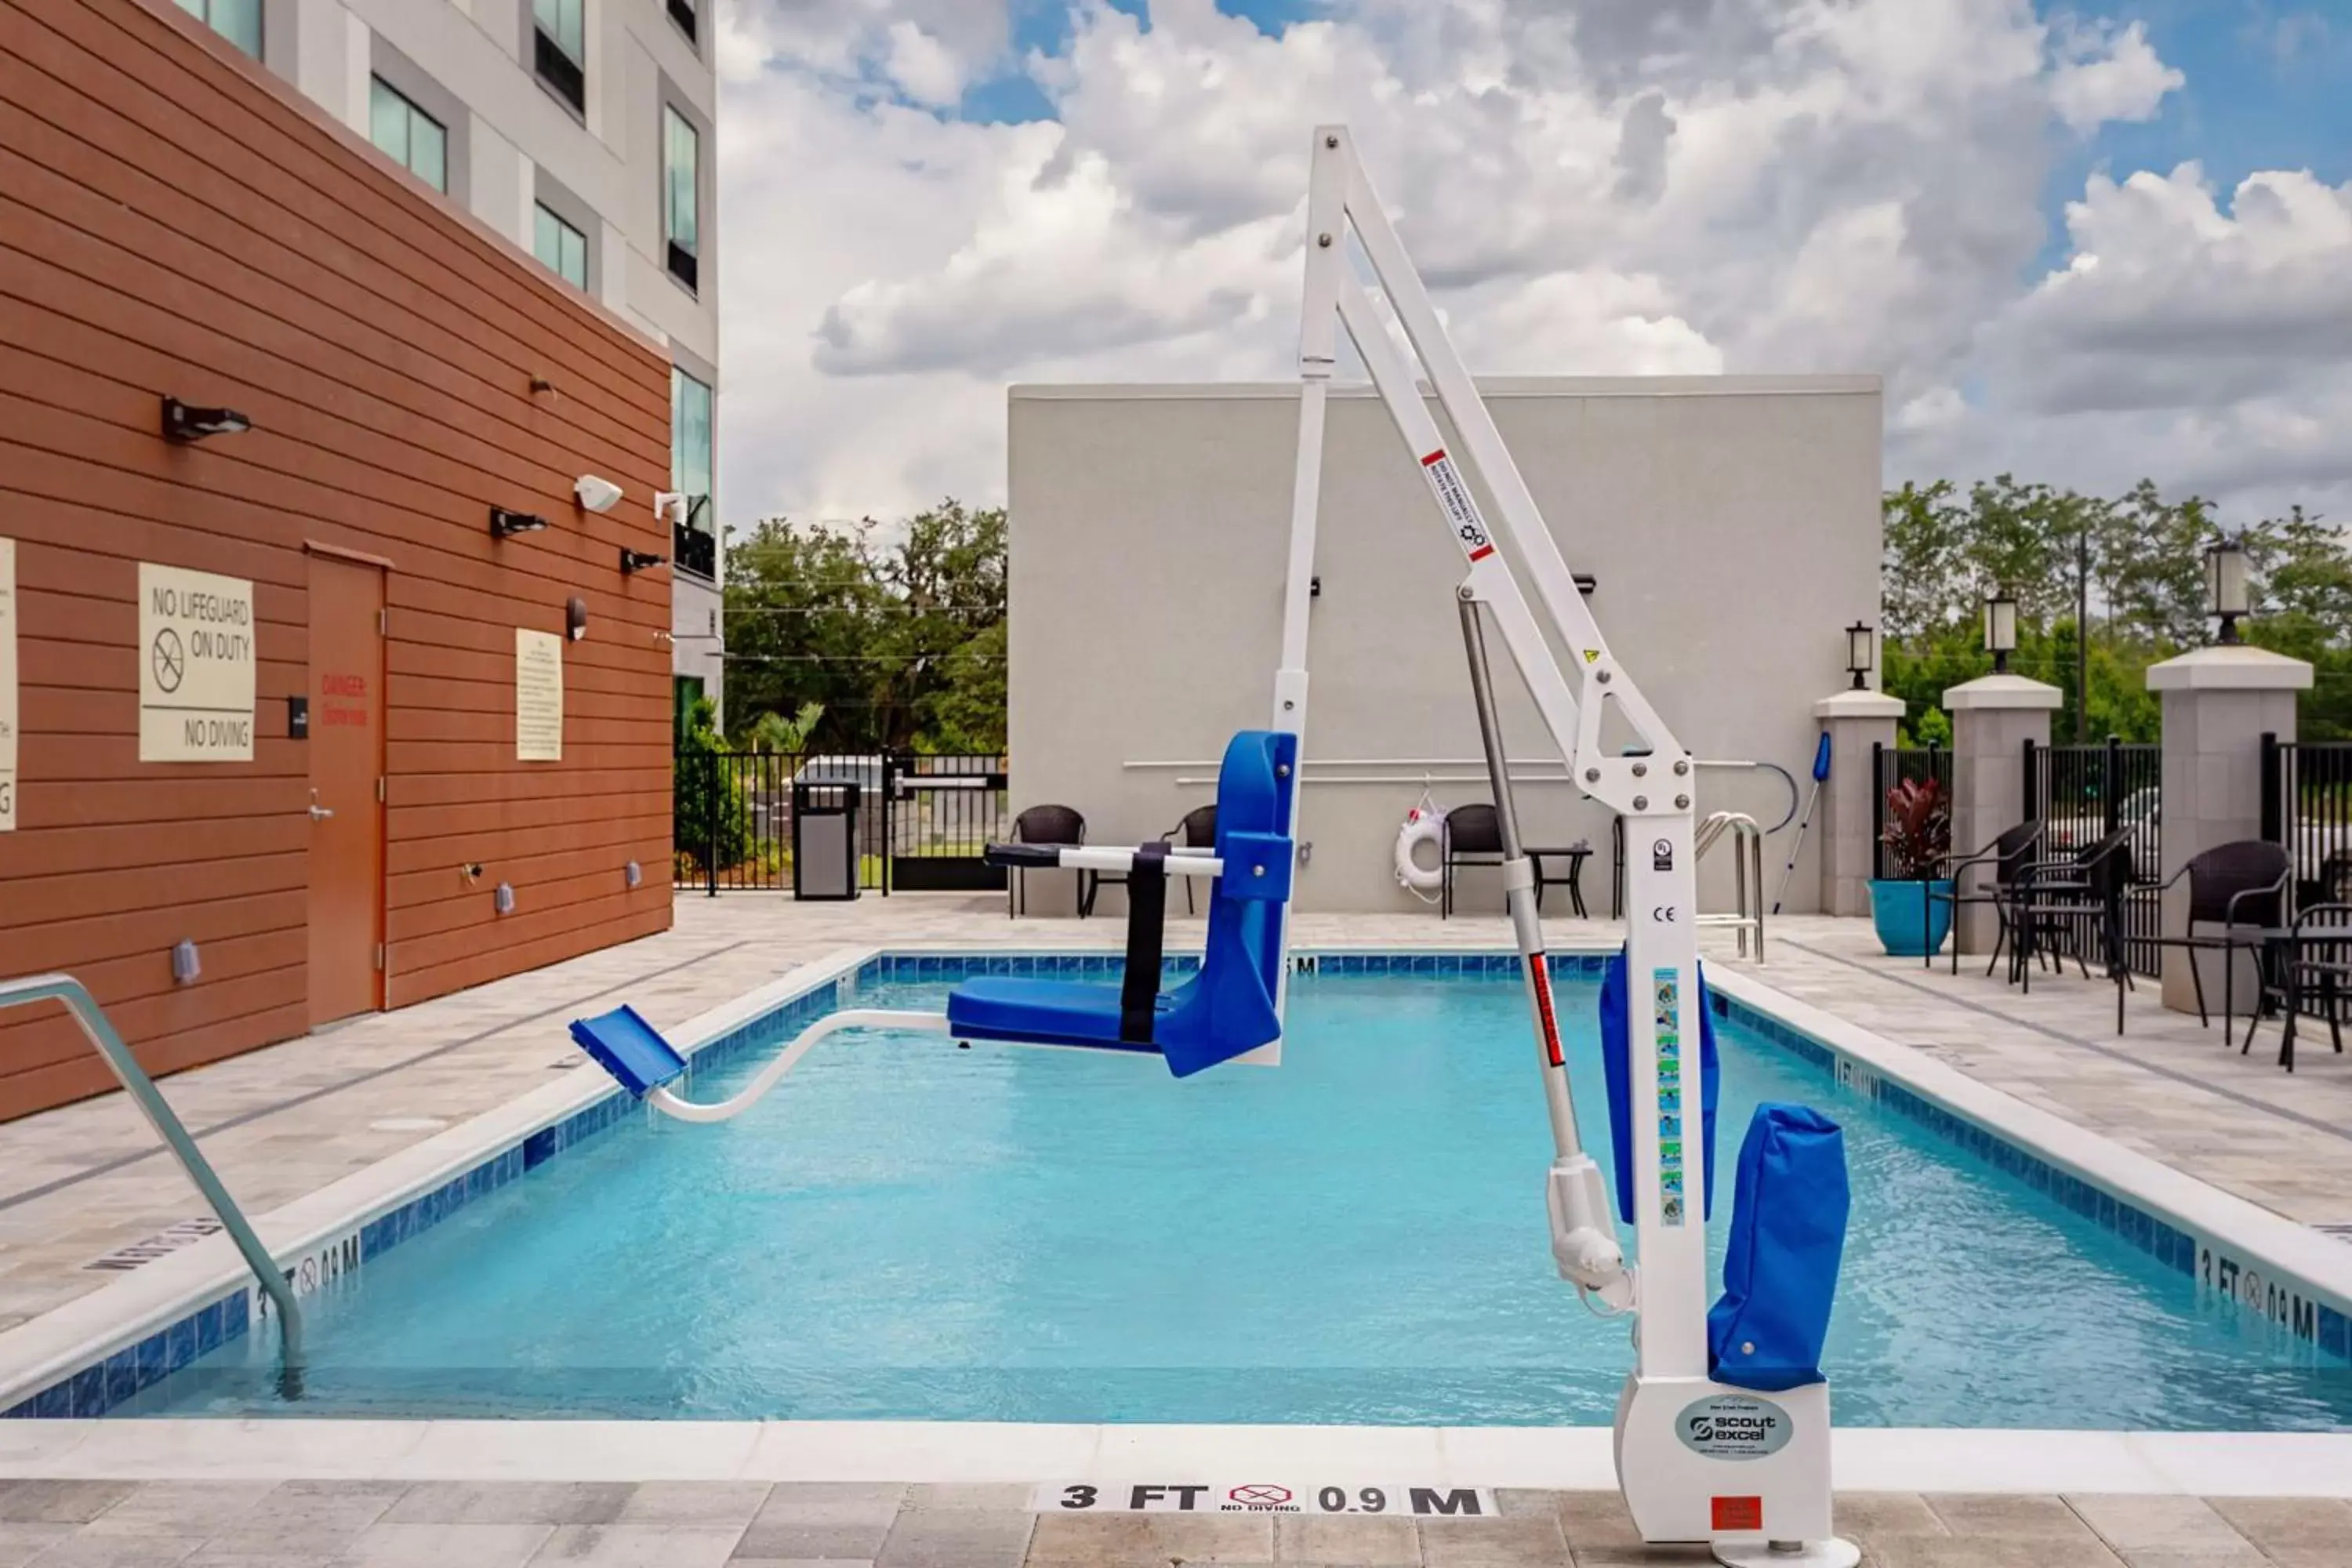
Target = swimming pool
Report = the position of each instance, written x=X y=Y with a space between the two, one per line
x=907 y=1230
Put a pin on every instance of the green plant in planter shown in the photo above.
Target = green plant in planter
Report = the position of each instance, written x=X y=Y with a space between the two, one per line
x=1918 y=841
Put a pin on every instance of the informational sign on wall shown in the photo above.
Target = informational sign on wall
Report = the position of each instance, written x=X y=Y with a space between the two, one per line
x=539 y=697
x=196 y=667
x=8 y=685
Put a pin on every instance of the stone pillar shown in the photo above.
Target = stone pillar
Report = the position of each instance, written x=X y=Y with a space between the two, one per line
x=2219 y=702
x=1854 y=721
x=1992 y=717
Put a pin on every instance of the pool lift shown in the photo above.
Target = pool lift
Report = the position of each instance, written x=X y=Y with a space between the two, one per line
x=1722 y=1432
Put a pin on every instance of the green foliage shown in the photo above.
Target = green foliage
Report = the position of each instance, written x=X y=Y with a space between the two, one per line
x=709 y=820
x=898 y=636
x=772 y=732
x=2105 y=588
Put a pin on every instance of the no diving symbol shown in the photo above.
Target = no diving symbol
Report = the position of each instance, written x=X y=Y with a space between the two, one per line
x=1261 y=1494
x=169 y=659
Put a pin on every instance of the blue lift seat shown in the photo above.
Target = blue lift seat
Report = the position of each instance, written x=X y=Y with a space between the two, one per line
x=1227 y=1008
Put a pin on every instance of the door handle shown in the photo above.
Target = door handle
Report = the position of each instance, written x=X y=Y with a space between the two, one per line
x=320 y=813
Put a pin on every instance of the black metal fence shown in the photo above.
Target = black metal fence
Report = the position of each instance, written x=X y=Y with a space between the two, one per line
x=1892 y=765
x=2307 y=807
x=922 y=820
x=2081 y=794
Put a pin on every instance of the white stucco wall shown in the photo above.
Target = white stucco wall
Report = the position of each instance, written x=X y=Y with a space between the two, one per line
x=1733 y=524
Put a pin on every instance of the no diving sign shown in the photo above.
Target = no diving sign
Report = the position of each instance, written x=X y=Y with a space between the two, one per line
x=196 y=667
x=1262 y=1496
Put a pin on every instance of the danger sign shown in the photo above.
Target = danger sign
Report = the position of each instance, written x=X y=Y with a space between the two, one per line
x=196 y=667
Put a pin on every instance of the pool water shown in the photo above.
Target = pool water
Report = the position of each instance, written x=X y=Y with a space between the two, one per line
x=905 y=1229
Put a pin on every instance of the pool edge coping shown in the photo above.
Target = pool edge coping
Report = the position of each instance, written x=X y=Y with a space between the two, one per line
x=103 y=1325
x=1562 y=1458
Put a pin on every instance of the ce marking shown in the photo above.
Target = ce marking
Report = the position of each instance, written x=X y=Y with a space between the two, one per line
x=1664 y=914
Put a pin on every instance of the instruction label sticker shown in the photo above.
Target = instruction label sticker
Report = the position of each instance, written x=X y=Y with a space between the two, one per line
x=8 y=685
x=1287 y=1496
x=196 y=666
x=1673 y=1200
x=1461 y=512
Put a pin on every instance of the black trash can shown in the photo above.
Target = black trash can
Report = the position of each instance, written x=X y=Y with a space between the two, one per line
x=824 y=841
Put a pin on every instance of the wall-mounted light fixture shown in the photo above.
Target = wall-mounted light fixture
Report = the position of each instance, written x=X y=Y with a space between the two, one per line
x=505 y=524
x=184 y=423
x=185 y=964
x=575 y=617
x=2001 y=629
x=2228 y=596
x=1860 y=653
x=640 y=561
x=596 y=494
x=632 y=873
x=502 y=900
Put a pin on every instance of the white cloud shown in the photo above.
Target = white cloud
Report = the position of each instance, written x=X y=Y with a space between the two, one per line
x=1629 y=186
x=2106 y=73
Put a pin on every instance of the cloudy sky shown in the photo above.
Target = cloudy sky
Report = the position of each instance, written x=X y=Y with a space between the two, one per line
x=2082 y=246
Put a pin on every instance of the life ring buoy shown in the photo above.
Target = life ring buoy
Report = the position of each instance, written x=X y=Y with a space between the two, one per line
x=1423 y=825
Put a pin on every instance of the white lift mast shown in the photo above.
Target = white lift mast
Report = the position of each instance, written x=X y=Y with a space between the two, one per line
x=1681 y=1481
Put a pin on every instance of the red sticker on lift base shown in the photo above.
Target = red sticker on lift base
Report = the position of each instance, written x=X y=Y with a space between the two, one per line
x=1738 y=1513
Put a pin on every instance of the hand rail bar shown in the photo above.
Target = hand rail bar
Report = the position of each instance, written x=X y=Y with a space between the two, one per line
x=1747 y=873
x=101 y=1030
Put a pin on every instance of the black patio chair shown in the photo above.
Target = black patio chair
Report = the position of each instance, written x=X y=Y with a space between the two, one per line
x=2066 y=904
x=1197 y=831
x=2240 y=887
x=1047 y=825
x=1998 y=866
x=1471 y=836
x=2318 y=957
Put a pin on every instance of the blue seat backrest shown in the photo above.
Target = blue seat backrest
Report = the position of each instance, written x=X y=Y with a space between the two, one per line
x=1228 y=1008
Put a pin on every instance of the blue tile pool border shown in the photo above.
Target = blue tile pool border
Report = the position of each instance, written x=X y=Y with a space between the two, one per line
x=98 y=1389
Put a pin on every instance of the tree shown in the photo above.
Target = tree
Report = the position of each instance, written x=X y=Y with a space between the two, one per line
x=897 y=634
x=775 y=732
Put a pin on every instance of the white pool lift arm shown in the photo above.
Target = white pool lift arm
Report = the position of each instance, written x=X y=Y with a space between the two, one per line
x=1675 y=1489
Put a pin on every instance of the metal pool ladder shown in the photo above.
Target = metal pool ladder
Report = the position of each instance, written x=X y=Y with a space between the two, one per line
x=101 y=1033
x=1747 y=874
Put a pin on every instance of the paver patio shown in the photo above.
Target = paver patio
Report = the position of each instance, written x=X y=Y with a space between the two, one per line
x=693 y=1524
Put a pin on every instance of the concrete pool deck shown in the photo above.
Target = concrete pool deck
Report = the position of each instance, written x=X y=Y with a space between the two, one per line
x=397 y=1523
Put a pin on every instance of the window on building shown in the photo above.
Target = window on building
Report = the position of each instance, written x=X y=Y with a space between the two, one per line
x=681 y=206
x=560 y=49
x=682 y=13
x=407 y=135
x=562 y=248
x=694 y=543
x=239 y=21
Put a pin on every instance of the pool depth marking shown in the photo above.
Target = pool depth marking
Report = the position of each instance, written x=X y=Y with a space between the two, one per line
x=1263 y=1497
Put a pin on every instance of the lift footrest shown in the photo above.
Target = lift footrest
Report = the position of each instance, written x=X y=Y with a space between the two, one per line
x=629 y=1048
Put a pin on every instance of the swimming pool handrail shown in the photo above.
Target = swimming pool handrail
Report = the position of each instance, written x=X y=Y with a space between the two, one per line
x=101 y=1033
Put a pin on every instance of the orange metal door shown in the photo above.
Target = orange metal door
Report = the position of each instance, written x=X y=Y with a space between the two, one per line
x=346 y=773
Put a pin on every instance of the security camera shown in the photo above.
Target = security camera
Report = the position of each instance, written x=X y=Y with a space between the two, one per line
x=595 y=494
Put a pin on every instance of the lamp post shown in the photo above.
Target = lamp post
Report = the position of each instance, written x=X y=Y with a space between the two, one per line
x=2000 y=629
x=2226 y=589
x=1860 y=651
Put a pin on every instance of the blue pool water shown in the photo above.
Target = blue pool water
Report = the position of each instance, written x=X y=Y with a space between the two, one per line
x=908 y=1230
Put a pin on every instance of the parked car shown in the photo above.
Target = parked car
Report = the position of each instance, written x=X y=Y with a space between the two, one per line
x=2141 y=812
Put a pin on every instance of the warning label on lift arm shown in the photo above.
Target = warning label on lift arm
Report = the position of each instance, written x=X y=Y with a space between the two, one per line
x=1461 y=512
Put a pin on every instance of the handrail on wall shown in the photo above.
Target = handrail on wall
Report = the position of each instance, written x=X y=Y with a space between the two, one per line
x=101 y=1033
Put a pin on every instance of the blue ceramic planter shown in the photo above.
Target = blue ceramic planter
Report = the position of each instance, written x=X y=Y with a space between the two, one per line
x=1910 y=924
